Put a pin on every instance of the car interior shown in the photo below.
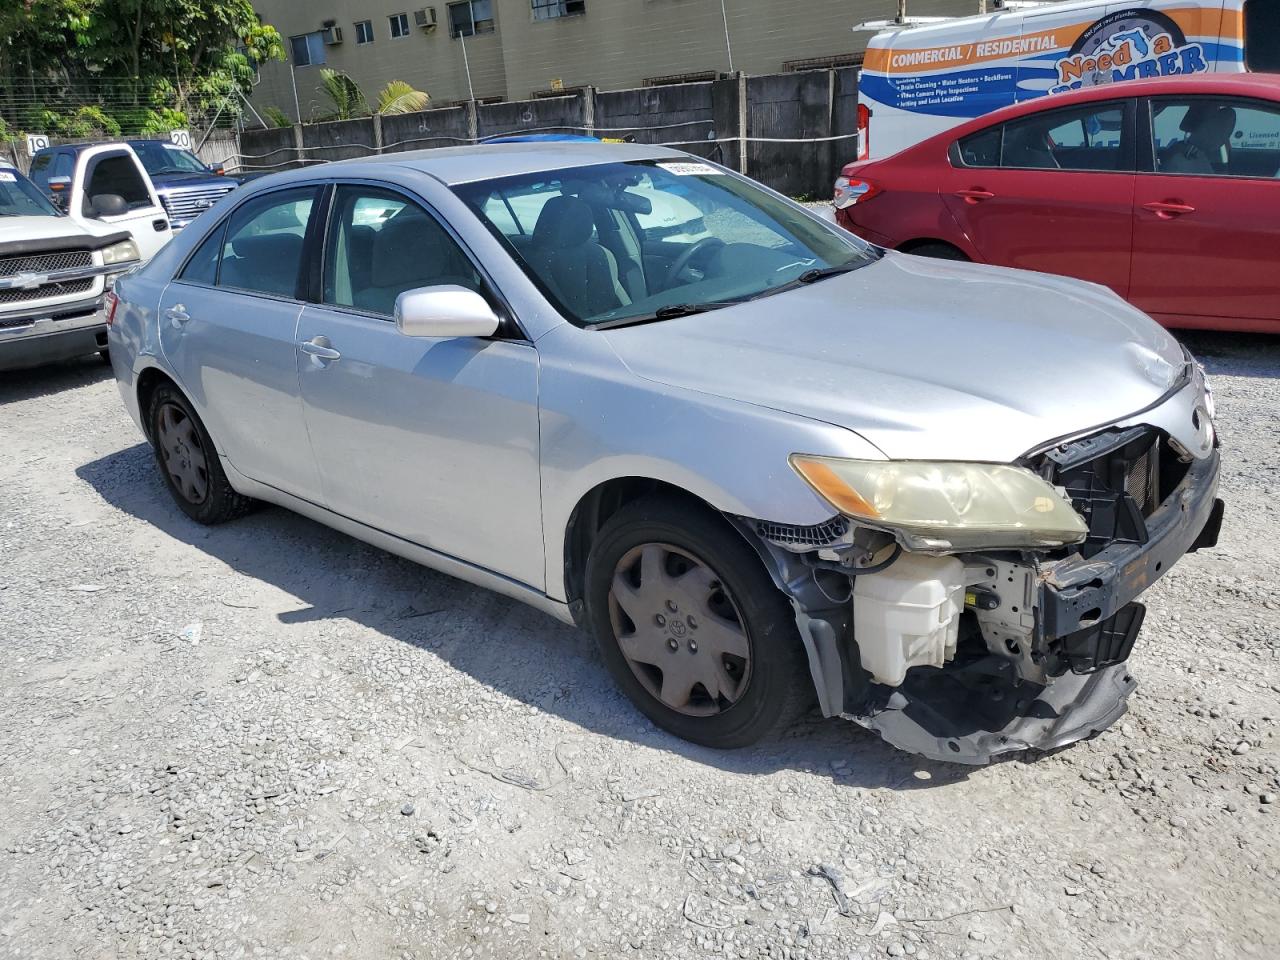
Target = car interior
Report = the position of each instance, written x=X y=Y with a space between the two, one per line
x=116 y=173
x=1210 y=138
x=581 y=239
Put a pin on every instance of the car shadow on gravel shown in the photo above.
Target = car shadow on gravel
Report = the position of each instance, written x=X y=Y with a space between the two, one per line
x=537 y=660
x=1234 y=354
x=45 y=381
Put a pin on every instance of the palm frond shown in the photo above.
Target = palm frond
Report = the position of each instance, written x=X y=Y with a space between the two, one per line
x=398 y=97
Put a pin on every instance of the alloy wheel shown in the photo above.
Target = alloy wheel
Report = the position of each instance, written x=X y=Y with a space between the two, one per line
x=679 y=629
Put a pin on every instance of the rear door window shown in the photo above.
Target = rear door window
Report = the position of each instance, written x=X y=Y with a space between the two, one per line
x=1262 y=36
x=1211 y=137
x=262 y=252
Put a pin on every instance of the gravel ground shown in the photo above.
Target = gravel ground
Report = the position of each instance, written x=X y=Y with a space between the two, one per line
x=268 y=740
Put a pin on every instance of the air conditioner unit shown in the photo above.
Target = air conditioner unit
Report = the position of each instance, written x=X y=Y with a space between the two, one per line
x=332 y=36
x=425 y=18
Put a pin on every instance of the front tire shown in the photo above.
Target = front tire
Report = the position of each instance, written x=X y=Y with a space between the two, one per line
x=189 y=461
x=692 y=628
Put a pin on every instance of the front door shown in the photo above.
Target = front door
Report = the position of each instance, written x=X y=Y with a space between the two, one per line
x=432 y=440
x=227 y=327
x=1050 y=192
x=113 y=169
x=1206 y=217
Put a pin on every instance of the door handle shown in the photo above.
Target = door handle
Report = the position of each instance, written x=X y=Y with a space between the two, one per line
x=319 y=348
x=177 y=314
x=160 y=225
x=1168 y=209
x=976 y=195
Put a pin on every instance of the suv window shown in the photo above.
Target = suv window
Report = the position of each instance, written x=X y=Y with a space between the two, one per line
x=1209 y=137
x=264 y=238
x=1262 y=36
x=1081 y=138
x=381 y=244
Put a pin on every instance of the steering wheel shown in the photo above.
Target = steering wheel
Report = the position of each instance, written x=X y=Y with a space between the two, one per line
x=682 y=261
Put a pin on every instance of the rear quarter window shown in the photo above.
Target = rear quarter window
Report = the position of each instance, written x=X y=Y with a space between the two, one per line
x=981 y=149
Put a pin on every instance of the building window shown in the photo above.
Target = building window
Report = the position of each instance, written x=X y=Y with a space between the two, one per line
x=364 y=31
x=551 y=9
x=470 y=17
x=399 y=25
x=307 y=49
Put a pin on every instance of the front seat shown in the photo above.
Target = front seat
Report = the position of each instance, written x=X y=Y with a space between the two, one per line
x=581 y=271
x=1208 y=131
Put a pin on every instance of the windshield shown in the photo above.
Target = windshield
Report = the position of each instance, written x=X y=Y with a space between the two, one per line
x=160 y=157
x=620 y=243
x=19 y=197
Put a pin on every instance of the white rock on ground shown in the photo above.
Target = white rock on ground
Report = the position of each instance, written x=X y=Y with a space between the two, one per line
x=360 y=758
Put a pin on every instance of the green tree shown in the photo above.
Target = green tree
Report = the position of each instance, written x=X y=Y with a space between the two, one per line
x=398 y=97
x=144 y=62
x=348 y=102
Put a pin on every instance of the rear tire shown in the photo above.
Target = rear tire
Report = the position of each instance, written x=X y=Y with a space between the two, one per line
x=691 y=626
x=189 y=461
x=938 y=251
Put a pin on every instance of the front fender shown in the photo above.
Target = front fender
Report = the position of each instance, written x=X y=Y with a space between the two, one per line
x=599 y=422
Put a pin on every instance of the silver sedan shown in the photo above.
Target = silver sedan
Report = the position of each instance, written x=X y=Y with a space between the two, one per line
x=764 y=463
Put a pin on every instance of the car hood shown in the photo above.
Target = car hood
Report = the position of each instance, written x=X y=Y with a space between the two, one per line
x=926 y=359
x=43 y=228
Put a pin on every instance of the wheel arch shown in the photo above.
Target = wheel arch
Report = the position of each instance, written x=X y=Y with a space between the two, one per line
x=910 y=246
x=593 y=510
x=148 y=381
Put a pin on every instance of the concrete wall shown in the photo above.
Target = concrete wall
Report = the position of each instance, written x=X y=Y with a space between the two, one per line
x=700 y=118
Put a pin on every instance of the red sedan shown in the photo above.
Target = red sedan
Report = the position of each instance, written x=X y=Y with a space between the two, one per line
x=1164 y=190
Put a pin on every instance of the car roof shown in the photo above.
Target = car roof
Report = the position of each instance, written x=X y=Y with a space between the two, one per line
x=489 y=161
x=1264 y=86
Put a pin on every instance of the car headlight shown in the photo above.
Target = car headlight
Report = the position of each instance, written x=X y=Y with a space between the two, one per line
x=122 y=252
x=946 y=506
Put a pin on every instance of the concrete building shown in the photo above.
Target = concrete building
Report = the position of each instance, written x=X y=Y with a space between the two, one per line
x=518 y=49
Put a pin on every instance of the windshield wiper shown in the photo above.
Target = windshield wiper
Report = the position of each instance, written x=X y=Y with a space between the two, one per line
x=821 y=273
x=671 y=312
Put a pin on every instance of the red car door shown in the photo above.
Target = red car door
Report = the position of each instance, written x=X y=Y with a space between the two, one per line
x=1206 y=217
x=1052 y=191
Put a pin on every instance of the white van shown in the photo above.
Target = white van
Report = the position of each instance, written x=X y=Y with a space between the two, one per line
x=920 y=80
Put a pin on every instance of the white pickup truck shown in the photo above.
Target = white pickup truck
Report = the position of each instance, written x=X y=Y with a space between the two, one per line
x=54 y=273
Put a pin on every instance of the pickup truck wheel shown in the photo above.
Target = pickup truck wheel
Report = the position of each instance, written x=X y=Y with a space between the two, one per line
x=189 y=462
x=692 y=628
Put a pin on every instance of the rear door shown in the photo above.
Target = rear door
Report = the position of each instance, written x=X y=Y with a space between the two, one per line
x=1052 y=191
x=1206 y=213
x=227 y=325
x=114 y=169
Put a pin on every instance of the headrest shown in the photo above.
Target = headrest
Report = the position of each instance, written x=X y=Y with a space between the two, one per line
x=564 y=222
x=1215 y=130
x=405 y=249
x=268 y=248
x=1196 y=114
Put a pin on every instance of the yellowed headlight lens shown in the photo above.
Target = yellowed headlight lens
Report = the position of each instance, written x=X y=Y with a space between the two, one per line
x=944 y=505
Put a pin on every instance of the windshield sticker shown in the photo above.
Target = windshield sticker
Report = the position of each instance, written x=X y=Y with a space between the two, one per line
x=681 y=169
x=7 y=177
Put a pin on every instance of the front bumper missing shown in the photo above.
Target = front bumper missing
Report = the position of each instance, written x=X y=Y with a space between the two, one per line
x=977 y=708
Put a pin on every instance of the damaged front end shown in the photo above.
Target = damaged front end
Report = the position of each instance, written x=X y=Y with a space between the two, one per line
x=967 y=654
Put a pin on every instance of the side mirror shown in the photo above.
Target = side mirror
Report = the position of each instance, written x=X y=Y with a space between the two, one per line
x=108 y=205
x=444 y=311
x=60 y=191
